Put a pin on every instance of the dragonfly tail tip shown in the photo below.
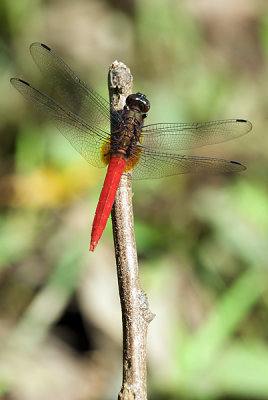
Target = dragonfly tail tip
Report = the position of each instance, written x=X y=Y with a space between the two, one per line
x=93 y=244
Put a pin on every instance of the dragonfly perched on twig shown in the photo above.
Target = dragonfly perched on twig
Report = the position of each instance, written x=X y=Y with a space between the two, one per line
x=84 y=118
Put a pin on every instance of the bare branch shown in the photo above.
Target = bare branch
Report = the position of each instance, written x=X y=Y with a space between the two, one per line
x=136 y=315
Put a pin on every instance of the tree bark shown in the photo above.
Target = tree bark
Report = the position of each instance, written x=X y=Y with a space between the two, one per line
x=136 y=315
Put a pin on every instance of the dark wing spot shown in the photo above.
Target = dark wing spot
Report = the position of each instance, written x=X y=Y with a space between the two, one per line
x=236 y=162
x=45 y=46
x=241 y=120
x=242 y=166
x=25 y=83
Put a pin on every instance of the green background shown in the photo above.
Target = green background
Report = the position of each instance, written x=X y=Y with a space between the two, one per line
x=201 y=240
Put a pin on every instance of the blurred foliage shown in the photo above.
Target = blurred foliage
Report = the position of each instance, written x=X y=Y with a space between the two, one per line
x=202 y=240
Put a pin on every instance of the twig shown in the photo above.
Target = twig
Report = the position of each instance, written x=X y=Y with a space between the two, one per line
x=136 y=315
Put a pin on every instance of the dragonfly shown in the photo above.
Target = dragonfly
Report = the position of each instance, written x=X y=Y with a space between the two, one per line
x=120 y=139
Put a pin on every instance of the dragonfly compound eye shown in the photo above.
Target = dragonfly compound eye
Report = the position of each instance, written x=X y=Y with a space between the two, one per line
x=138 y=102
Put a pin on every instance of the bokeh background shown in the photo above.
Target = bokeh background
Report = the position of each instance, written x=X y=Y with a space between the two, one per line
x=201 y=240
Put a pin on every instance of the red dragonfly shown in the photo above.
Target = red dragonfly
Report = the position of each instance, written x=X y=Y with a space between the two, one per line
x=84 y=118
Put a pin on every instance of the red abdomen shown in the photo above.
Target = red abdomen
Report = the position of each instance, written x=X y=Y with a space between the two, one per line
x=115 y=170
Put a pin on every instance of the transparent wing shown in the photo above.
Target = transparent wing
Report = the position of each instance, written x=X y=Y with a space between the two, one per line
x=70 y=91
x=181 y=136
x=85 y=138
x=156 y=164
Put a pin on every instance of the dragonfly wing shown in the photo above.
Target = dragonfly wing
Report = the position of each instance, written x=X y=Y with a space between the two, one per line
x=85 y=138
x=155 y=164
x=181 y=136
x=70 y=91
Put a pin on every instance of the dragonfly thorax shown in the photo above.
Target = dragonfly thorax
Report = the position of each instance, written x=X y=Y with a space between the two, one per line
x=132 y=117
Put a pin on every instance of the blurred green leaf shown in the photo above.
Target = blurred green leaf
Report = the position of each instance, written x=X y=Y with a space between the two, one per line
x=17 y=232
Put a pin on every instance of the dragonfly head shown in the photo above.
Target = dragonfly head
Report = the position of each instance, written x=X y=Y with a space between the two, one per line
x=138 y=102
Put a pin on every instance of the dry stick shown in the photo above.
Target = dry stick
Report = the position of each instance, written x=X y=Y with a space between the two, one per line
x=136 y=315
